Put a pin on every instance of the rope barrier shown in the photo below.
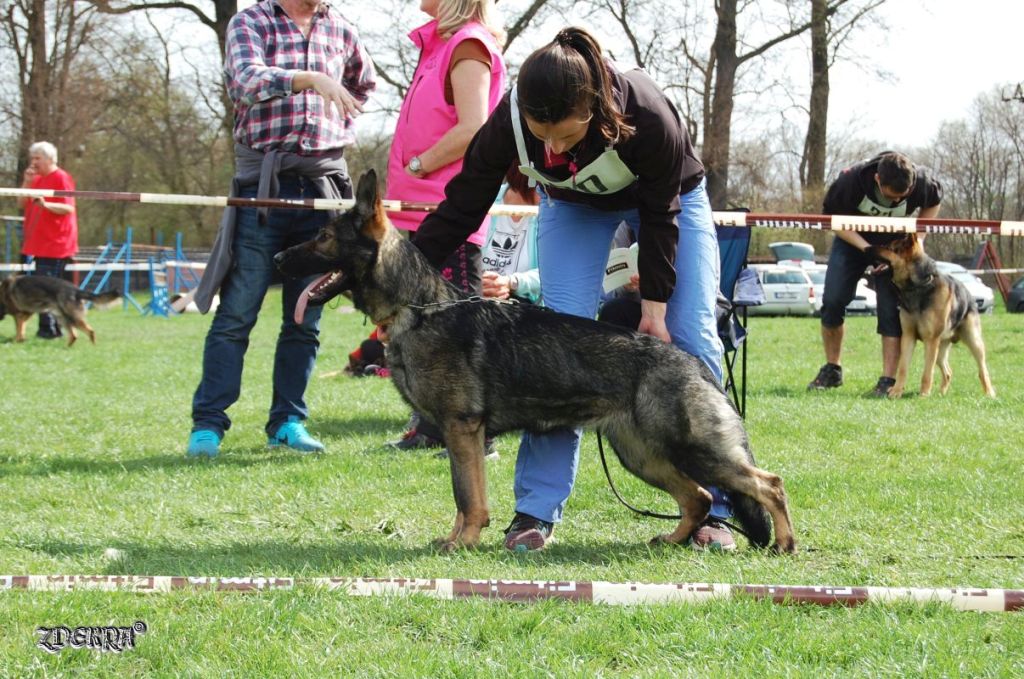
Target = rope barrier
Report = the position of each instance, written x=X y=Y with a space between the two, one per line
x=611 y=593
x=726 y=218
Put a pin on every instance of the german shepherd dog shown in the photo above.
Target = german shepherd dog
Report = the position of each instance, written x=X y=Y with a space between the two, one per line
x=473 y=366
x=936 y=309
x=22 y=296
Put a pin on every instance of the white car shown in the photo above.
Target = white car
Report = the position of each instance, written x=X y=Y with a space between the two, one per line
x=983 y=295
x=864 y=299
x=787 y=291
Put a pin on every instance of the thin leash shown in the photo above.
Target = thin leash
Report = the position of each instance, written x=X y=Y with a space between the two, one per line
x=462 y=300
x=647 y=512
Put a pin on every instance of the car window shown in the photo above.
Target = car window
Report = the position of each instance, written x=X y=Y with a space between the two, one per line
x=772 y=277
x=817 y=277
x=793 y=277
x=793 y=251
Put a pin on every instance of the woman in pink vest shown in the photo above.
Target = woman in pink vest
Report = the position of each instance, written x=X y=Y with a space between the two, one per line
x=459 y=80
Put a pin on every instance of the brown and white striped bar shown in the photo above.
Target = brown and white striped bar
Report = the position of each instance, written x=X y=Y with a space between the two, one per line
x=524 y=591
x=763 y=220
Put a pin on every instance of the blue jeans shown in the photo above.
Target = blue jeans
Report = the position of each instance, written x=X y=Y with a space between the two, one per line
x=573 y=242
x=241 y=296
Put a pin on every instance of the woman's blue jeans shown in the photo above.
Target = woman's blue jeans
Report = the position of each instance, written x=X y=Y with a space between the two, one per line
x=573 y=242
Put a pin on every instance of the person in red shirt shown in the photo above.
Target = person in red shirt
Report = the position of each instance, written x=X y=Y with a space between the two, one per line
x=51 y=225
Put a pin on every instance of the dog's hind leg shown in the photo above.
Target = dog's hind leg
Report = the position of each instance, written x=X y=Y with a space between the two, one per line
x=944 y=367
x=693 y=500
x=81 y=325
x=748 y=485
x=465 y=441
x=970 y=333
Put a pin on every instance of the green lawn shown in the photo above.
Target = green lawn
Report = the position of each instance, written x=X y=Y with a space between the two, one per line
x=920 y=492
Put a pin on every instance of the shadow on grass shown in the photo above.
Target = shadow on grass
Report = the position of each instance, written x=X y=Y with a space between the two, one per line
x=356 y=426
x=348 y=555
x=26 y=465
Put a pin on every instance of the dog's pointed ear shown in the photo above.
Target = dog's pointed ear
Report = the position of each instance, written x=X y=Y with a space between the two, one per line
x=368 y=205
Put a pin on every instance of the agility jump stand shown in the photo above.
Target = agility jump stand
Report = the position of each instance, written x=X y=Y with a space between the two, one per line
x=122 y=258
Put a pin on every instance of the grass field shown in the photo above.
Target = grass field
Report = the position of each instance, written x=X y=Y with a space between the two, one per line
x=919 y=492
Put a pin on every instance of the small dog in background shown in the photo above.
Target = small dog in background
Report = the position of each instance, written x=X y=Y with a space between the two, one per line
x=22 y=296
x=936 y=309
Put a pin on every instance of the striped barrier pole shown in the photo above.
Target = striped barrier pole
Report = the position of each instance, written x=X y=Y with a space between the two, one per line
x=763 y=220
x=524 y=591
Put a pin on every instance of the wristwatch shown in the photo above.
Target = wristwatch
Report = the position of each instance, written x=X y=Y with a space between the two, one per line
x=415 y=165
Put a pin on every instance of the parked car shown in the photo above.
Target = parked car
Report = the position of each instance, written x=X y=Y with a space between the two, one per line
x=792 y=252
x=864 y=299
x=983 y=295
x=1015 y=300
x=787 y=291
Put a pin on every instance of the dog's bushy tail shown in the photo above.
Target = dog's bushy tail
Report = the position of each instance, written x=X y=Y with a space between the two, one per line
x=753 y=518
x=101 y=298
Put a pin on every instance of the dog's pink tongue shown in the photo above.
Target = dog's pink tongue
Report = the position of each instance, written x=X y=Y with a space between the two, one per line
x=300 y=306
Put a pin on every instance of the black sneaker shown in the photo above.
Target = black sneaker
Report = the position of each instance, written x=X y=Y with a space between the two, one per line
x=881 y=389
x=829 y=377
x=527 y=533
x=416 y=440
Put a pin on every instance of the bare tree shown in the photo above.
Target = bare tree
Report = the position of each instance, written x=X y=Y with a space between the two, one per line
x=223 y=10
x=832 y=24
x=980 y=162
x=47 y=39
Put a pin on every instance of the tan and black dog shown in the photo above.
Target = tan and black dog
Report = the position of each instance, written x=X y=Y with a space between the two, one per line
x=936 y=309
x=473 y=366
x=22 y=296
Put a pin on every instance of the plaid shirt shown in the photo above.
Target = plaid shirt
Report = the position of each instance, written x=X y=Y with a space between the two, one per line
x=265 y=49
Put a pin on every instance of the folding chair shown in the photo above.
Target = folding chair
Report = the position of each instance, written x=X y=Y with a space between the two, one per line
x=739 y=288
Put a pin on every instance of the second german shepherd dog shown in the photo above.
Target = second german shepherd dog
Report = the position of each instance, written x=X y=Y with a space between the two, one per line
x=936 y=309
x=22 y=296
x=473 y=366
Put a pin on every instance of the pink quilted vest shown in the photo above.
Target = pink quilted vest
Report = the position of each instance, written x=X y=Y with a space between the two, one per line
x=425 y=117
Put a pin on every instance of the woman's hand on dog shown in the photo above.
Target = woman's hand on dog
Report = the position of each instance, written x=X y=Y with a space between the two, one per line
x=652 y=320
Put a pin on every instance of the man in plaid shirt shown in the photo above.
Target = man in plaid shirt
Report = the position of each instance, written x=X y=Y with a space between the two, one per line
x=298 y=75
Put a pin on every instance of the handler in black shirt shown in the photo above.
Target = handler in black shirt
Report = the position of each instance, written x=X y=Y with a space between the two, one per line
x=887 y=185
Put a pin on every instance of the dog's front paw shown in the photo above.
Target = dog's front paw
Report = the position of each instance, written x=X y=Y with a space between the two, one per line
x=788 y=548
x=895 y=392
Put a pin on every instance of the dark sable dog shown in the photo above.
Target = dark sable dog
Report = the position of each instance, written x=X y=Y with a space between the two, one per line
x=22 y=296
x=474 y=365
x=936 y=309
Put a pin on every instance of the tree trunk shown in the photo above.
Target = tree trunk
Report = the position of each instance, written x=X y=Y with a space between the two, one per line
x=36 y=121
x=812 y=163
x=718 y=120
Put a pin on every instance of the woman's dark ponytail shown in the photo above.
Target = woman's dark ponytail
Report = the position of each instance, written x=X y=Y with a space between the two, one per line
x=569 y=76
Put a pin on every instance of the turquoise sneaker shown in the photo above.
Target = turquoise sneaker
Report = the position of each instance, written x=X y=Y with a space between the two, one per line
x=294 y=435
x=203 y=442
